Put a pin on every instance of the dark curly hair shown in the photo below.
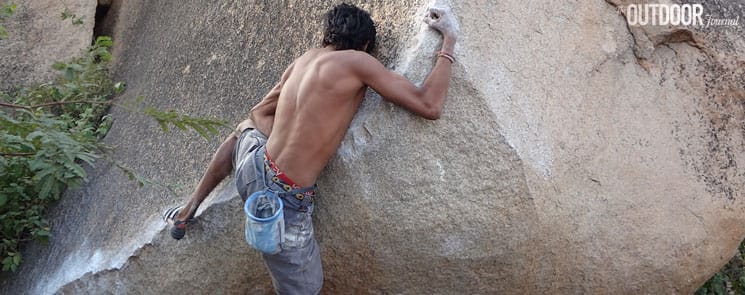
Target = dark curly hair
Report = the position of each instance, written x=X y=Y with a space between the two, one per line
x=348 y=27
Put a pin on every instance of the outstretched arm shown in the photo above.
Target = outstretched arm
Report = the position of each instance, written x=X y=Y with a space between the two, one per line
x=429 y=99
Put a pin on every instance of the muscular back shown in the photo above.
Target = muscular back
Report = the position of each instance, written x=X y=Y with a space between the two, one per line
x=318 y=97
x=308 y=112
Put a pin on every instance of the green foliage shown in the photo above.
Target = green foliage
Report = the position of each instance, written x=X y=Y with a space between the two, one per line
x=67 y=14
x=143 y=181
x=6 y=10
x=730 y=279
x=45 y=137
x=42 y=155
x=44 y=140
x=168 y=119
x=48 y=132
x=206 y=128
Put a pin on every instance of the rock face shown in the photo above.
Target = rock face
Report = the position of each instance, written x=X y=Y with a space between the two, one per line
x=38 y=37
x=575 y=154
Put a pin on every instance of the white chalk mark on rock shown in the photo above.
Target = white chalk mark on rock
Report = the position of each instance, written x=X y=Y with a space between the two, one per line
x=440 y=170
x=520 y=118
x=84 y=259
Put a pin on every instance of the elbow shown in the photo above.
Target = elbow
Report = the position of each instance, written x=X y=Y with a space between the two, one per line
x=260 y=113
x=432 y=108
x=432 y=113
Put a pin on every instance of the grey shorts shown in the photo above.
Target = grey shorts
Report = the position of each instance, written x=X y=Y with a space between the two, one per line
x=297 y=268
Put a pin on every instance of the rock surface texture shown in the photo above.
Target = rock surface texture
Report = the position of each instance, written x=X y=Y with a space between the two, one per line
x=38 y=37
x=576 y=154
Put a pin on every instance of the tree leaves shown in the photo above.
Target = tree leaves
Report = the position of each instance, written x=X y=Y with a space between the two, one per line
x=45 y=139
x=204 y=127
x=6 y=10
x=67 y=14
x=11 y=261
x=50 y=131
x=730 y=279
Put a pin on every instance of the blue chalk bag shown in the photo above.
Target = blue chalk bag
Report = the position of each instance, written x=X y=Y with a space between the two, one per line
x=265 y=222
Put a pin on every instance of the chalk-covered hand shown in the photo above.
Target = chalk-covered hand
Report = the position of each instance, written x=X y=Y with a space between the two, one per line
x=442 y=20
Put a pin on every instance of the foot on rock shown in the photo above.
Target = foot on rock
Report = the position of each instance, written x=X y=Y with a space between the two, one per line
x=178 y=229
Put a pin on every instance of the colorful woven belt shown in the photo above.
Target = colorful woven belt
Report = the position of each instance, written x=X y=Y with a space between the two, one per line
x=283 y=180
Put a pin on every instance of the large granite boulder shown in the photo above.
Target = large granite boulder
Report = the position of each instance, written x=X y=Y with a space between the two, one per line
x=38 y=37
x=575 y=154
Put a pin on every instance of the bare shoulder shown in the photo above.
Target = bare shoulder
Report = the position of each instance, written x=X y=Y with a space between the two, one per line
x=352 y=58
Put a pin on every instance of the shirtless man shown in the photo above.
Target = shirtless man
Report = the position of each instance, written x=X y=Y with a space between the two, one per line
x=295 y=130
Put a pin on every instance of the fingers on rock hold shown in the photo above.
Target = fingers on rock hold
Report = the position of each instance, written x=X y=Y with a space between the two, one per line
x=436 y=12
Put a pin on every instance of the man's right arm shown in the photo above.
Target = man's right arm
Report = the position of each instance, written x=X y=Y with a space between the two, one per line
x=427 y=100
x=262 y=115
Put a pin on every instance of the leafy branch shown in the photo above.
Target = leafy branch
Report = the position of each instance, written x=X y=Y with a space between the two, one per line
x=205 y=127
x=51 y=104
x=67 y=14
x=139 y=179
x=50 y=131
x=16 y=154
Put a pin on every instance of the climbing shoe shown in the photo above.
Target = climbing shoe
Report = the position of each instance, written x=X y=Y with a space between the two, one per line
x=178 y=227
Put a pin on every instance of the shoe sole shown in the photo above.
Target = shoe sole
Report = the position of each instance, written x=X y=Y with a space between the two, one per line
x=169 y=216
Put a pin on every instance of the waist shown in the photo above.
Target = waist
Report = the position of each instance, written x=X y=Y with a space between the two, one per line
x=284 y=181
